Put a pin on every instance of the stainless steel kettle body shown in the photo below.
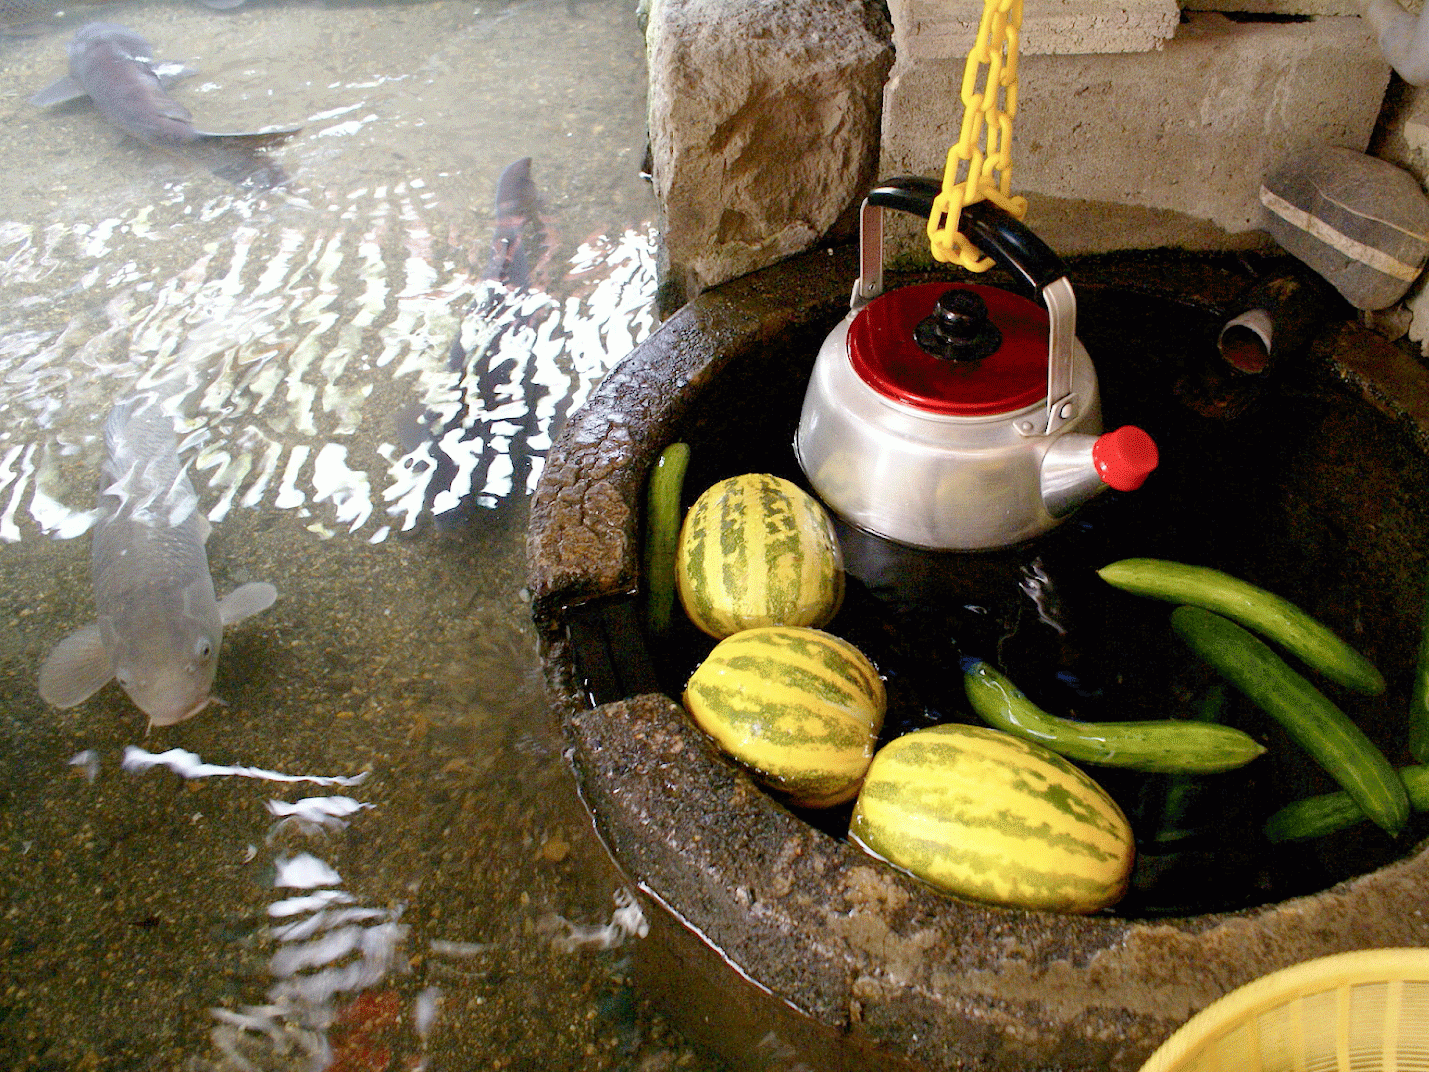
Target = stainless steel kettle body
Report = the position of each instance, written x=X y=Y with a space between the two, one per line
x=928 y=480
x=924 y=477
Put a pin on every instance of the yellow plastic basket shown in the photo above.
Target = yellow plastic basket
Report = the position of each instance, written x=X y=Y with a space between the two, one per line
x=1353 y=1012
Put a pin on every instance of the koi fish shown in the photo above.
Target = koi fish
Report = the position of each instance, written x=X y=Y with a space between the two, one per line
x=160 y=625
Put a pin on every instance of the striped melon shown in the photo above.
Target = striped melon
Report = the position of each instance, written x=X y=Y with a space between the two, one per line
x=757 y=550
x=800 y=708
x=985 y=815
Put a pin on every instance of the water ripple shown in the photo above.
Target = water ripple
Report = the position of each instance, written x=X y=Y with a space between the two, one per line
x=315 y=364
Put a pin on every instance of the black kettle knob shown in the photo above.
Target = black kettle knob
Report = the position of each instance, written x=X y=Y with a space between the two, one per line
x=959 y=328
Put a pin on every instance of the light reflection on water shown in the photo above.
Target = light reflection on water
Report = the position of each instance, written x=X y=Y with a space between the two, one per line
x=444 y=904
x=279 y=338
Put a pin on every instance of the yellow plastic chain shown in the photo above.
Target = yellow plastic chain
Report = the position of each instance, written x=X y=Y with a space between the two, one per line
x=989 y=173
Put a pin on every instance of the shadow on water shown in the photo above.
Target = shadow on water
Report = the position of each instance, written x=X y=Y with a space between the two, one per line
x=371 y=856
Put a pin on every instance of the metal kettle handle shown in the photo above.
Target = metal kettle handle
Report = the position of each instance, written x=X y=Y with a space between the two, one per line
x=1013 y=246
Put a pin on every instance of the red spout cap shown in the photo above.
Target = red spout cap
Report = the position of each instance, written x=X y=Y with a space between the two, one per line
x=1125 y=457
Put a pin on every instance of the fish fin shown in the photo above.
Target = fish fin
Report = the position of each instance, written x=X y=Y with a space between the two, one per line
x=170 y=74
x=249 y=139
x=66 y=89
x=77 y=668
x=245 y=601
x=195 y=598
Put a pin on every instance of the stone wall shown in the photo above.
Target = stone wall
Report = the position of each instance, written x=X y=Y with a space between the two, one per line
x=1167 y=147
x=1140 y=125
x=1403 y=139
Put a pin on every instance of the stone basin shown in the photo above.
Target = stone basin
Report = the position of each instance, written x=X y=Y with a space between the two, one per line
x=781 y=944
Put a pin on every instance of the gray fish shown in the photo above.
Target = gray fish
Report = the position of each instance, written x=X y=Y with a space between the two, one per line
x=114 y=67
x=160 y=625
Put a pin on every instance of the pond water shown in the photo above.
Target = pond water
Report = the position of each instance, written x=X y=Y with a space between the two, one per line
x=370 y=857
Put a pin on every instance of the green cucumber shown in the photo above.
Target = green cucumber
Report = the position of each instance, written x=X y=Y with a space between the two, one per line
x=1184 y=790
x=1317 y=816
x=1311 y=720
x=1419 y=696
x=662 y=534
x=1268 y=614
x=1166 y=745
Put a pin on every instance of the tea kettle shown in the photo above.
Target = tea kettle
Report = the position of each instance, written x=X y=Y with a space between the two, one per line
x=958 y=416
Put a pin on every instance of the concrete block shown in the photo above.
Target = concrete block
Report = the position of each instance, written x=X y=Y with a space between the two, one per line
x=1276 y=7
x=1179 y=139
x=947 y=29
x=763 y=126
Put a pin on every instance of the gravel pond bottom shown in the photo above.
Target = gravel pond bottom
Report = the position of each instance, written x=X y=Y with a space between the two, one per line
x=371 y=856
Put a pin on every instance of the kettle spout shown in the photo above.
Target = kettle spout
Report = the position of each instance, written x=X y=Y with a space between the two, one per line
x=1076 y=466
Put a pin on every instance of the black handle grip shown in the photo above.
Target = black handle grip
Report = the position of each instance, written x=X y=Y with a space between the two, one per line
x=996 y=232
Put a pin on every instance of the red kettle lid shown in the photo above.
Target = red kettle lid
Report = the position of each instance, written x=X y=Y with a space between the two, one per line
x=887 y=356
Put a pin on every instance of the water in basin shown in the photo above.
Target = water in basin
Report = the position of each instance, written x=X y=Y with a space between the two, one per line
x=1299 y=486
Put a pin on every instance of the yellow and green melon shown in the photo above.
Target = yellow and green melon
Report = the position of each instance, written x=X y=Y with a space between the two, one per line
x=799 y=708
x=758 y=550
x=985 y=815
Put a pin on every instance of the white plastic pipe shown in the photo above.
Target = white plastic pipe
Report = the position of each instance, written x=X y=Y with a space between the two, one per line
x=1403 y=38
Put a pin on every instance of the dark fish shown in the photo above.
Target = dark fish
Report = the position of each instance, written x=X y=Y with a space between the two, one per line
x=114 y=67
x=518 y=216
x=493 y=442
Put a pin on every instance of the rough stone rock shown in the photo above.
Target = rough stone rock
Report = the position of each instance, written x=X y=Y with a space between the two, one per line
x=900 y=969
x=1384 y=373
x=1158 y=148
x=763 y=126
x=1359 y=221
